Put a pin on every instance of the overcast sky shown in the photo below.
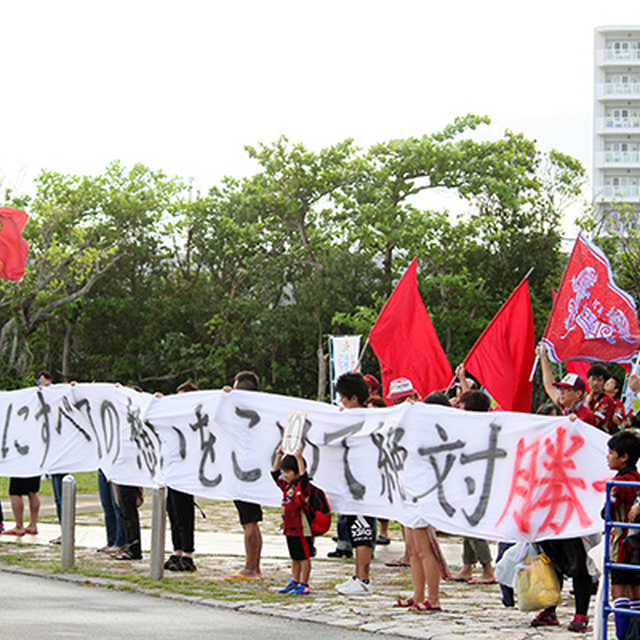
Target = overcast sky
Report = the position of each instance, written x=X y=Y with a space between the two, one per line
x=183 y=86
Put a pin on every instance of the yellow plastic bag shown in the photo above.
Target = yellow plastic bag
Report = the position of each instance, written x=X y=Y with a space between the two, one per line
x=537 y=584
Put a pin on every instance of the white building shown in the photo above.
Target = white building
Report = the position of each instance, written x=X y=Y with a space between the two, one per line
x=616 y=162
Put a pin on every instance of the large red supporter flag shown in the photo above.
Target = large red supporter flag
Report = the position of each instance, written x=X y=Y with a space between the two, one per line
x=13 y=247
x=579 y=367
x=502 y=357
x=405 y=342
x=592 y=318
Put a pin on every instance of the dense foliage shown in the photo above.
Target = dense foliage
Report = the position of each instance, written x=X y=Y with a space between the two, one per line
x=134 y=278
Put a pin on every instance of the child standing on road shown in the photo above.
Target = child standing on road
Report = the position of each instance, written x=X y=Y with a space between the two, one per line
x=290 y=474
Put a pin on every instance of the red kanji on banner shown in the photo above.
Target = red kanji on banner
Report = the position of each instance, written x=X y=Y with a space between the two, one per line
x=13 y=247
x=554 y=491
x=592 y=318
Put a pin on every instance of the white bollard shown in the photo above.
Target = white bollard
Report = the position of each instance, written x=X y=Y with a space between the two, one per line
x=158 y=528
x=68 y=538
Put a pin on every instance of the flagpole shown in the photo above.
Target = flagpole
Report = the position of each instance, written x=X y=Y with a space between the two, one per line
x=450 y=384
x=535 y=366
x=537 y=360
x=366 y=344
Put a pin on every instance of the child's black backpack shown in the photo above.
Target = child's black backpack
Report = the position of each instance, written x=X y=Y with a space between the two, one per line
x=318 y=511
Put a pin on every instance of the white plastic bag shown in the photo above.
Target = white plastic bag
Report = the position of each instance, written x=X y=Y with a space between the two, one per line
x=511 y=558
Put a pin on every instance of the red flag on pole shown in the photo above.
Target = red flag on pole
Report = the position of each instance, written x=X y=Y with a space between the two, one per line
x=13 y=247
x=503 y=355
x=405 y=342
x=579 y=367
x=592 y=318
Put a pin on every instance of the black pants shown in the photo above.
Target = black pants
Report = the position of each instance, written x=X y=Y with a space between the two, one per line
x=180 y=508
x=128 y=504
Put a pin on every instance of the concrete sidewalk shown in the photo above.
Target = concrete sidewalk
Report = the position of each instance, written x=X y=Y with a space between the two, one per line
x=470 y=611
x=206 y=542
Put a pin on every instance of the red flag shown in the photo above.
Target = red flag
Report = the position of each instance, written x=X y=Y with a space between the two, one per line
x=502 y=357
x=579 y=367
x=592 y=318
x=405 y=342
x=13 y=247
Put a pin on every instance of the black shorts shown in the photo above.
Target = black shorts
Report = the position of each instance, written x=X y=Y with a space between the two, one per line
x=624 y=576
x=24 y=486
x=361 y=530
x=248 y=511
x=301 y=548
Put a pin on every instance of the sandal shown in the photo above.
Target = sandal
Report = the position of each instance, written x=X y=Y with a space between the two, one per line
x=14 y=532
x=424 y=606
x=404 y=604
x=32 y=532
x=396 y=563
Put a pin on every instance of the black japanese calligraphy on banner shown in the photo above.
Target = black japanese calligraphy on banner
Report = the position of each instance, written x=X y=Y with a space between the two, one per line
x=498 y=475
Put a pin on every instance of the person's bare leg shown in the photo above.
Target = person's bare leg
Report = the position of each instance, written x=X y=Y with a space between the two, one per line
x=34 y=510
x=252 y=550
x=417 y=571
x=17 y=506
x=429 y=563
x=363 y=562
x=405 y=558
x=296 y=570
x=305 y=571
x=487 y=574
x=468 y=560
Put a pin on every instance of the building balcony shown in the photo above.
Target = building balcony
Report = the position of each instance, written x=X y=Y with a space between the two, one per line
x=619 y=90
x=618 y=158
x=609 y=193
x=609 y=124
x=627 y=57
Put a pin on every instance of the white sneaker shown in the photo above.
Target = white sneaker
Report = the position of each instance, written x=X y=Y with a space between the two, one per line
x=354 y=587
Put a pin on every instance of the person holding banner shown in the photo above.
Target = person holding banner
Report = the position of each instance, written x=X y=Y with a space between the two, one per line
x=427 y=562
x=568 y=555
x=353 y=392
x=402 y=390
x=475 y=549
x=249 y=513
x=181 y=512
x=30 y=487
x=290 y=474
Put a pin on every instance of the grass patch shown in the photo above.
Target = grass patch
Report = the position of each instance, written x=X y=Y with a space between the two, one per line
x=86 y=482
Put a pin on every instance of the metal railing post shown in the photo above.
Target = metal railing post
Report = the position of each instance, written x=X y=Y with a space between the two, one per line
x=68 y=537
x=158 y=528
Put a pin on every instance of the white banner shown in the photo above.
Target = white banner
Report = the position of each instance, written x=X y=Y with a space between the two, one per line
x=345 y=351
x=501 y=476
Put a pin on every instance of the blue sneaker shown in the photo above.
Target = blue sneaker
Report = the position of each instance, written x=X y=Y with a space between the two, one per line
x=300 y=590
x=290 y=587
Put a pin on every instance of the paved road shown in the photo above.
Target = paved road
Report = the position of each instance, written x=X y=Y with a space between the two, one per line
x=32 y=607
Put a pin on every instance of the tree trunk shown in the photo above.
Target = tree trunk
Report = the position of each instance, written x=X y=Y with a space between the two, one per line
x=322 y=369
x=66 y=349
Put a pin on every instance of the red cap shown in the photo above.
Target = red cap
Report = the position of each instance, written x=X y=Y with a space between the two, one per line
x=372 y=383
x=572 y=381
